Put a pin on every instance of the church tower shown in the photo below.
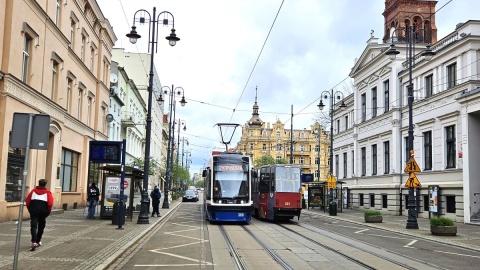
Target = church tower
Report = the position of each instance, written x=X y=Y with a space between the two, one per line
x=401 y=14
x=255 y=120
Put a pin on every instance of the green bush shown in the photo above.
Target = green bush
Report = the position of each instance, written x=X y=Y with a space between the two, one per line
x=441 y=221
x=372 y=213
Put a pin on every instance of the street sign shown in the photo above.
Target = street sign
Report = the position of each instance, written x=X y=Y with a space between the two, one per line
x=412 y=166
x=331 y=181
x=412 y=181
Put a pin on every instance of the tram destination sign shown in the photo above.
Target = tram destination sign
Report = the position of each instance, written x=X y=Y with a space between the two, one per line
x=230 y=168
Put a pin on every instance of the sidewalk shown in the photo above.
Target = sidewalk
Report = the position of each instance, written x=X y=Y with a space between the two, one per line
x=71 y=241
x=468 y=235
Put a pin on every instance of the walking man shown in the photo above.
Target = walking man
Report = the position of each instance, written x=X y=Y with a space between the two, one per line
x=156 y=195
x=93 y=195
x=39 y=204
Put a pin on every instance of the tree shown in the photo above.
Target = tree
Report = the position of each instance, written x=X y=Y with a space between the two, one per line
x=266 y=160
x=153 y=167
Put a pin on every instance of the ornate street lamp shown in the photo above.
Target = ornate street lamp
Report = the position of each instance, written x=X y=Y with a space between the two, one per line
x=392 y=52
x=325 y=94
x=153 y=40
x=172 y=92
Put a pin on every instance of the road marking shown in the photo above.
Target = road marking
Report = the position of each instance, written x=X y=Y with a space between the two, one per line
x=362 y=231
x=182 y=257
x=411 y=243
x=389 y=236
x=459 y=254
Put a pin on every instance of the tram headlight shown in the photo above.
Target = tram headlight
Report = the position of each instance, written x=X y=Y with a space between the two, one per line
x=242 y=202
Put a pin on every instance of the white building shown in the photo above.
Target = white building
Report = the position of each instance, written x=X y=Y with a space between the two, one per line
x=370 y=148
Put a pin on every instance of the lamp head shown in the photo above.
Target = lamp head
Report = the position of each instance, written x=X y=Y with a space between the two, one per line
x=133 y=35
x=172 y=38
x=321 y=105
x=342 y=106
x=183 y=101
x=392 y=52
x=160 y=98
x=428 y=53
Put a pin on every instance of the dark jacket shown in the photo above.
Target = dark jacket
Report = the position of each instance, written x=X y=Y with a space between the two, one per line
x=156 y=195
x=39 y=201
x=93 y=193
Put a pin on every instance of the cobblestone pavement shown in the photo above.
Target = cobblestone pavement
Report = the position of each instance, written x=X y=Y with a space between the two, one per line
x=71 y=241
x=468 y=235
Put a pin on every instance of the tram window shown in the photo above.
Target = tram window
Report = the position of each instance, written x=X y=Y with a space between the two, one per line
x=264 y=183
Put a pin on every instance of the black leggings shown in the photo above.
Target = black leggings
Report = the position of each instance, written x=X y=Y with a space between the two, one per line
x=37 y=225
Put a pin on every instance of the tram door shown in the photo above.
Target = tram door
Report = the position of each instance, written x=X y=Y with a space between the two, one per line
x=264 y=192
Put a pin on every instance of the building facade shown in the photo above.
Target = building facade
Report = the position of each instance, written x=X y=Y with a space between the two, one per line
x=445 y=116
x=303 y=146
x=55 y=59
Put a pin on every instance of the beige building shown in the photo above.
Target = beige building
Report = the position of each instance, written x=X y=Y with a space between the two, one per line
x=55 y=59
x=260 y=138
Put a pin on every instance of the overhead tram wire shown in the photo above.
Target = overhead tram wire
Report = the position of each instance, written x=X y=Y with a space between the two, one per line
x=258 y=57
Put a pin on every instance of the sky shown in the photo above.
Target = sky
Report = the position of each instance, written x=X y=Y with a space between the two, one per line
x=287 y=52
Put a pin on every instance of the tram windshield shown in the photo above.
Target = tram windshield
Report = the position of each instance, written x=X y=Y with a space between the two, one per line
x=287 y=179
x=230 y=183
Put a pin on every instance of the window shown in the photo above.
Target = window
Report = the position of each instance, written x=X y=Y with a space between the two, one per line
x=92 y=54
x=278 y=134
x=251 y=146
x=317 y=148
x=69 y=170
x=360 y=199
x=82 y=48
x=302 y=160
x=450 y=144
x=279 y=147
x=428 y=86
x=426 y=203
x=302 y=148
x=102 y=117
x=345 y=165
x=450 y=200
x=374 y=102
x=89 y=110
x=451 y=75
x=384 y=201
x=278 y=159
x=317 y=160
x=80 y=103
x=336 y=164
x=364 y=161
x=338 y=126
x=72 y=33
x=353 y=164
x=27 y=47
x=57 y=13
x=364 y=107
x=374 y=159
x=372 y=200
x=346 y=122
x=386 y=157
x=407 y=150
x=264 y=147
x=427 y=150
x=54 y=80
x=386 y=91
x=264 y=134
x=69 y=94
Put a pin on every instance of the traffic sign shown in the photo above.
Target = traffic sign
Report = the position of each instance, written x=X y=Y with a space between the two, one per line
x=332 y=182
x=412 y=181
x=412 y=166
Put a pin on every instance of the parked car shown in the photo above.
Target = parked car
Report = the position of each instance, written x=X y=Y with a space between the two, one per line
x=190 y=196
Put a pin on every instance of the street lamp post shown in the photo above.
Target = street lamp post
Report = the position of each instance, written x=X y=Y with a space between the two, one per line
x=411 y=36
x=184 y=124
x=319 y=133
x=153 y=40
x=172 y=92
x=325 y=95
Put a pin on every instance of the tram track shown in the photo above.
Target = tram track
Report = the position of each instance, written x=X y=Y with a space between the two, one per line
x=319 y=231
x=239 y=263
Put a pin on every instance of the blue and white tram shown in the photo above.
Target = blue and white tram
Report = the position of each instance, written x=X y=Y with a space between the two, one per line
x=228 y=195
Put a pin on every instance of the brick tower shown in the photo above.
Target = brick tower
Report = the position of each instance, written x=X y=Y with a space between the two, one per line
x=400 y=14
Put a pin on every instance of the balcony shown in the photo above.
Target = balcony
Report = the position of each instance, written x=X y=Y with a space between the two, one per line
x=128 y=120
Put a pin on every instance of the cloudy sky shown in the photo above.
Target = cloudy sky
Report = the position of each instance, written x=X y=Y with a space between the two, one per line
x=290 y=50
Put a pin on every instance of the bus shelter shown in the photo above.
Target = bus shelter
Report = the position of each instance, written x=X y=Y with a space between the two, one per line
x=318 y=195
x=111 y=189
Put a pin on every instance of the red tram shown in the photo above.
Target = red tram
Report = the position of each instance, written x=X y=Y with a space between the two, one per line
x=277 y=192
